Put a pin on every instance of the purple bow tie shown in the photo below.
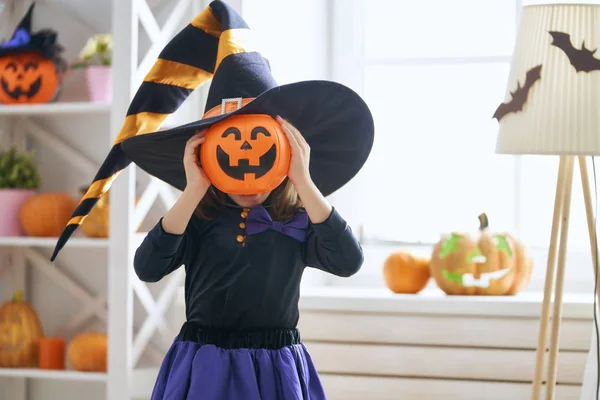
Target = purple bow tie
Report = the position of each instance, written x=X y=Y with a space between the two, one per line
x=259 y=221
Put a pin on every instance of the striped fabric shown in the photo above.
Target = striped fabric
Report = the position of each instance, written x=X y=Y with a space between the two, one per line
x=187 y=61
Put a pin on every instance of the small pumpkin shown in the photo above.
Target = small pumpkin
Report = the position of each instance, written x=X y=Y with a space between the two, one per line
x=46 y=214
x=486 y=264
x=28 y=77
x=20 y=334
x=246 y=154
x=87 y=352
x=404 y=272
x=96 y=224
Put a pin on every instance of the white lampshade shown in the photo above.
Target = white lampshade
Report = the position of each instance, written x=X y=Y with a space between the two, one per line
x=561 y=115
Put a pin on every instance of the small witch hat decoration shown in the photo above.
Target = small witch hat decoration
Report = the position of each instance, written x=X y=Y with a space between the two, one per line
x=217 y=44
x=44 y=41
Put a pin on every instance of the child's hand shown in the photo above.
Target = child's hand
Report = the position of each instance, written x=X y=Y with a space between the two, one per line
x=298 y=171
x=196 y=179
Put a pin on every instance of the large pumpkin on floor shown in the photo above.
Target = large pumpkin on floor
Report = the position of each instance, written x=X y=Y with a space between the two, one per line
x=20 y=333
x=27 y=78
x=88 y=352
x=406 y=273
x=484 y=264
x=45 y=215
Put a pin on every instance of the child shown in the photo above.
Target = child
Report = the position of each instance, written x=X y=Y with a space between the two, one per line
x=240 y=339
x=243 y=254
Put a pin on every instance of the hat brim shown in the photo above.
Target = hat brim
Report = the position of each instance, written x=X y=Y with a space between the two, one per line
x=334 y=120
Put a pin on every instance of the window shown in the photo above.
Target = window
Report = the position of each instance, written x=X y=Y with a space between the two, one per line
x=433 y=74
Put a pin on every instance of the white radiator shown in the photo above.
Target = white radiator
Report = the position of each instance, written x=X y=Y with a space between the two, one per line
x=374 y=345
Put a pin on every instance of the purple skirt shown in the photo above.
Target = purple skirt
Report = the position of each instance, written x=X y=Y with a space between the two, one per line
x=197 y=370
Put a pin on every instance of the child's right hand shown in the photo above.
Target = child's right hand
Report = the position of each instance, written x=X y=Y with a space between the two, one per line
x=196 y=179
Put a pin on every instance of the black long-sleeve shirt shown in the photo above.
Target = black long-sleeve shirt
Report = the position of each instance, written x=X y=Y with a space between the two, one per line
x=252 y=284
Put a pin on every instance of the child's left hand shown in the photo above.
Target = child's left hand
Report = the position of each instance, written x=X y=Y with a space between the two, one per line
x=299 y=171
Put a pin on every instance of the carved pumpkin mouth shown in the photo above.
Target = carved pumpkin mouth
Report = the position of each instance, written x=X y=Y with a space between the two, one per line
x=265 y=164
x=469 y=280
x=18 y=91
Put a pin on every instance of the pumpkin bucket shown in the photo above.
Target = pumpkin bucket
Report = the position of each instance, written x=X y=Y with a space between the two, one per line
x=11 y=201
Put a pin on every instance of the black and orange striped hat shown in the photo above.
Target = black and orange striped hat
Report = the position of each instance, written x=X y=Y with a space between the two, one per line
x=217 y=45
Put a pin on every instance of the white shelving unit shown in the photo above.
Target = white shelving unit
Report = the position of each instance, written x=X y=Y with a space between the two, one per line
x=128 y=342
x=55 y=109
x=51 y=242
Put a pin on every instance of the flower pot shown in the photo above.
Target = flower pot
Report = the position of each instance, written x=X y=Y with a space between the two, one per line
x=11 y=201
x=99 y=83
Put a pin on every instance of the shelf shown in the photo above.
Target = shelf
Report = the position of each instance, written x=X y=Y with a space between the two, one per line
x=435 y=302
x=54 y=108
x=21 y=241
x=50 y=374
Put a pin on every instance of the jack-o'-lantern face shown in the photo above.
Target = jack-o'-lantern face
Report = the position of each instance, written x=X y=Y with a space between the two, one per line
x=11 y=327
x=27 y=78
x=246 y=154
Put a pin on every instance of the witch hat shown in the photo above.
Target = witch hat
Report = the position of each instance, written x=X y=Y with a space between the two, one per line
x=216 y=44
x=44 y=41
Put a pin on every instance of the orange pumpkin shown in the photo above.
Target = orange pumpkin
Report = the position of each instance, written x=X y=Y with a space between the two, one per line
x=405 y=273
x=246 y=154
x=27 y=77
x=487 y=264
x=46 y=214
x=88 y=352
x=20 y=334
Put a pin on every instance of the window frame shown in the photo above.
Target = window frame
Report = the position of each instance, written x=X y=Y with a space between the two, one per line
x=347 y=43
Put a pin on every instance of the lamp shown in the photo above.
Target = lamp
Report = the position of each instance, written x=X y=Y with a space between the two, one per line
x=552 y=107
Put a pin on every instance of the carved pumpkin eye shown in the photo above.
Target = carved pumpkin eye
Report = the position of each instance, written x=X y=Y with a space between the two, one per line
x=11 y=66
x=246 y=154
x=258 y=130
x=27 y=78
x=233 y=131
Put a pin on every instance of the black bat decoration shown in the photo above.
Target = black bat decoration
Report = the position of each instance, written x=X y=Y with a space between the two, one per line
x=581 y=59
x=519 y=96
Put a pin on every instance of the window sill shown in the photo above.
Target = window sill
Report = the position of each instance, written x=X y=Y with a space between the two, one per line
x=434 y=301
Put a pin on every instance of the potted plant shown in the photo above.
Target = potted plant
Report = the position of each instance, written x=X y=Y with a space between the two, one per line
x=19 y=180
x=96 y=58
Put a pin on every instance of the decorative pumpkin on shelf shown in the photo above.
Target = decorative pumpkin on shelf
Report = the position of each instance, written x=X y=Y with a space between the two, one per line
x=96 y=224
x=490 y=264
x=405 y=273
x=46 y=214
x=246 y=154
x=20 y=333
x=27 y=77
x=88 y=352
x=31 y=65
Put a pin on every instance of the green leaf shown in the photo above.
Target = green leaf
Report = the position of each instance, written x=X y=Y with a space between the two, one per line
x=503 y=245
x=18 y=170
x=452 y=276
x=450 y=245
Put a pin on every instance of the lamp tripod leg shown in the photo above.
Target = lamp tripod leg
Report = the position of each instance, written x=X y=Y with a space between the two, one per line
x=589 y=213
x=560 y=278
x=549 y=281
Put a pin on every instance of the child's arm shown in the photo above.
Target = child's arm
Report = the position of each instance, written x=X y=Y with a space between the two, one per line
x=332 y=247
x=165 y=247
x=330 y=244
